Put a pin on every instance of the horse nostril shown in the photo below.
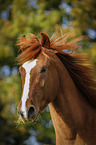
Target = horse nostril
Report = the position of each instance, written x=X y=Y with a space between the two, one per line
x=31 y=111
x=21 y=112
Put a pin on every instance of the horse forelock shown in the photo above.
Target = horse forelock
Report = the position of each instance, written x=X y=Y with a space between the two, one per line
x=32 y=46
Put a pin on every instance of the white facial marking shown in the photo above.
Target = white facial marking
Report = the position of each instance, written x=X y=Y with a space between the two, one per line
x=28 y=66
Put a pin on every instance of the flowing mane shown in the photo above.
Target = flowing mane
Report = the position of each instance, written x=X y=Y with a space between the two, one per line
x=82 y=75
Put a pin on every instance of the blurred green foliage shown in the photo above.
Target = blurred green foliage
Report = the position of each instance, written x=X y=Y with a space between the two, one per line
x=35 y=16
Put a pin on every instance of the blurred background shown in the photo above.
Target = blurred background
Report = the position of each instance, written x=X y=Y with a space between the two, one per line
x=18 y=17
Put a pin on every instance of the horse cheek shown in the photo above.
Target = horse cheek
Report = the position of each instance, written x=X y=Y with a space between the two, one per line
x=42 y=83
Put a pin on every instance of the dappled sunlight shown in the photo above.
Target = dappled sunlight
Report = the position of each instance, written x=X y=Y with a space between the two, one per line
x=75 y=18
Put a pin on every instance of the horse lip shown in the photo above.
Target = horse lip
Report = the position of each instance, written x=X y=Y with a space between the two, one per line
x=22 y=118
x=32 y=118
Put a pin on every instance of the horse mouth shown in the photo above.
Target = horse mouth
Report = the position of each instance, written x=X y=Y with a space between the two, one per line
x=32 y=118
x=29 y=120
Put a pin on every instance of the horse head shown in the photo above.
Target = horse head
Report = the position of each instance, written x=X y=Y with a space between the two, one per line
x=39 y=81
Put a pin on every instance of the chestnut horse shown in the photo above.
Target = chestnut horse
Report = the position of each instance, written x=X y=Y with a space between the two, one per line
x=56 y=78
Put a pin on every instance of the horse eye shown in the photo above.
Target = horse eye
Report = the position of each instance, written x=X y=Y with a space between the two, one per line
x=43 y=70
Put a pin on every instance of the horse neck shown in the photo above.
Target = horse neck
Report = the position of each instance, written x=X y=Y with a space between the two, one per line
x=69 y=109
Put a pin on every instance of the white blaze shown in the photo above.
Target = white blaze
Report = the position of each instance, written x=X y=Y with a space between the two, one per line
x=28 y=67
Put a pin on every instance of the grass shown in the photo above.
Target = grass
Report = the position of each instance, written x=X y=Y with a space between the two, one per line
x=20 y=121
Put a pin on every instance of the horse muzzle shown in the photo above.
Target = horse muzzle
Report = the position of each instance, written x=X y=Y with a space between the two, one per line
x=29 y=114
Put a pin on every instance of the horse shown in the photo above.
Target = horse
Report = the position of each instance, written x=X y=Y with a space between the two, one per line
x=53 y=76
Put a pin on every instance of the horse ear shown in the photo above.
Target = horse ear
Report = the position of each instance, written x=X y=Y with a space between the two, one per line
x=45 y=42
x=21 y=45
